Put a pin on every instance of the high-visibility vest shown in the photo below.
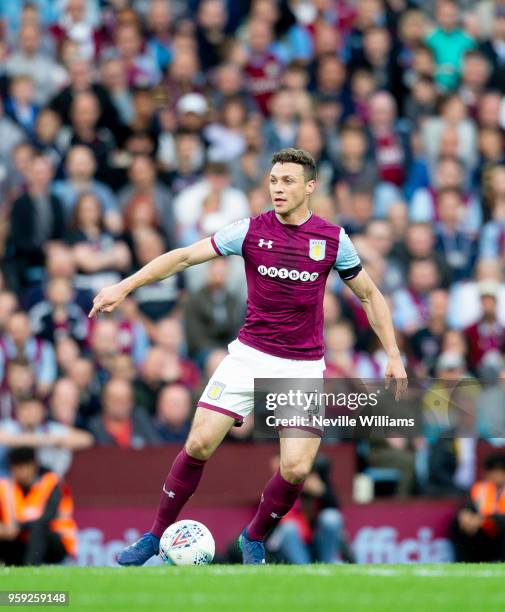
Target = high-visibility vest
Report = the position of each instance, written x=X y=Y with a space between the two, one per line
x=15 y=506
x=488 y=502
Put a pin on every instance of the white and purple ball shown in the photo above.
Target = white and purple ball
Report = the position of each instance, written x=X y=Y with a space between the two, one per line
x=187 y=543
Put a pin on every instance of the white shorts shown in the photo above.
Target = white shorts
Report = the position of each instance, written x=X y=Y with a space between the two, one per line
x=230 y=390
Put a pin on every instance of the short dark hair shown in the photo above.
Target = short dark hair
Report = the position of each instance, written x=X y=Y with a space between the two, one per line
x=496 y=461
x=300 y=157
x=21 y=456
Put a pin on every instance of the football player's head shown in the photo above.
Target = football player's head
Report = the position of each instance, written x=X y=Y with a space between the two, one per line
x=292 y=180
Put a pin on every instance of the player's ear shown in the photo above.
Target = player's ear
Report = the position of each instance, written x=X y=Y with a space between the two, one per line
x=309 y=187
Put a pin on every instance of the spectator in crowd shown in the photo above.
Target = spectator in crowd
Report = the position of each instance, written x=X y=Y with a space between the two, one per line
x=173 y=413
x=54 y=441
x=39 y=527
x=487 y=334
x=212 y=314
x=208 y=205
x=29 y=60
x=36 y=218
x=120 y=423
x=449 y=43
x=479 y=525
x=145 y=192
x=80 y=168
x=18 y=342
x=99 y=256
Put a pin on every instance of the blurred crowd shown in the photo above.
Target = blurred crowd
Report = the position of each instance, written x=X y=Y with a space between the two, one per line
x=129 y=127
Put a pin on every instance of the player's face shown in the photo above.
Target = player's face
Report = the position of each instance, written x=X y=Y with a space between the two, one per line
x=288 y=188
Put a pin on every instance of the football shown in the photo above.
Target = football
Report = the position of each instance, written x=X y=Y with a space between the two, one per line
x=187 y=543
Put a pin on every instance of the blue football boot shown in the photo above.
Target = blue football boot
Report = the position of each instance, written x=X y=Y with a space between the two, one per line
x=253 y=551
x=140 y=551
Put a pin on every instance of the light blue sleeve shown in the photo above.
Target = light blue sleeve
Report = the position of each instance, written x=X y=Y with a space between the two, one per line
x=347 y=257
x=229 y=240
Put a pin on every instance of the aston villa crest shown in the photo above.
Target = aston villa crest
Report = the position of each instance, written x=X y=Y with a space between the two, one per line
x=317 y=249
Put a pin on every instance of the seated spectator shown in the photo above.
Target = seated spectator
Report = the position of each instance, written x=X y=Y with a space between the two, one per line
x=426 y=342
x=60 y=265
x=156 y=300
x=76 y=24
x=173 y=413
x=342 y=359
x=46 y=136
x=180 y=157
x=39 y=528
x=225 y=137
x=64 y=403
x=80 y=72
x=141 y=68
x=281 y=129
x=313 y=530
x=449 y=43
x=457 y=247
x=12 y=134
x=18 y=342
x=208 y=205
x=449 y=173
x=59 y=315
x=387 y=141
x=114 y=79
x=8 y=305
x=121 y=424
x=19 y=386
x=467 y=293
x=36 y=218
x=145 y=191
x=54 y=441
x=410 y=304
x=99 y=257
x=212 y=314
x=85 y=130
x=176 y=368
x=353 y=168
x=487 y=334
x=30 y=59
x=67 y=351
x=80 y=168
x=477 y=533
x=82 y=373
x=20 y=104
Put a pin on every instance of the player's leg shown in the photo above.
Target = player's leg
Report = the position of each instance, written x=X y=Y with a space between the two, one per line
x=298 y=451
x=207 y=432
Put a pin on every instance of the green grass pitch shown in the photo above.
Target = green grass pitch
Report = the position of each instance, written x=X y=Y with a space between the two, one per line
x=271 y=588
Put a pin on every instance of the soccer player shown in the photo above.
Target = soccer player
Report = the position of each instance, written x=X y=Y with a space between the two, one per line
x=288 y=253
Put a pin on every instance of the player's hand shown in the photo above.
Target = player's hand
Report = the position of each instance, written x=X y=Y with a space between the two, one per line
x=395 y=370
x=108 y=299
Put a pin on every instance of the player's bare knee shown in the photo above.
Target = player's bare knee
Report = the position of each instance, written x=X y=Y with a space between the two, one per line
x=199 y=447
x=294 y=472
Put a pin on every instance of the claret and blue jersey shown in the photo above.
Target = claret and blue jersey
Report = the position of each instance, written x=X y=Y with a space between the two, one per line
x=286 y=270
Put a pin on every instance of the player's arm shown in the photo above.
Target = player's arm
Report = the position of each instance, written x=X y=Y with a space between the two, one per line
x=162 y=267
x=349 y=267
x=379 y=317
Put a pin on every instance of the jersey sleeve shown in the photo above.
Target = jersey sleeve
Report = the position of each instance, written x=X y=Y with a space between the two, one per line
x=229 y=240
x=347 y=262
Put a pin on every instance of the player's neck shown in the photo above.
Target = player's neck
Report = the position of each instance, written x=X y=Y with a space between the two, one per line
x=296 y=217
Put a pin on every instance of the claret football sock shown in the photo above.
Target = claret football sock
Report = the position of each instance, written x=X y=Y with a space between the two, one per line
x=276 y=501
x=179 y=486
